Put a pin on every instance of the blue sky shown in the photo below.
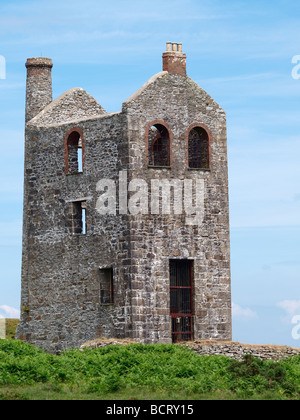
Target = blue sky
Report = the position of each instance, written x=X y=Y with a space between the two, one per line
x=241 y=53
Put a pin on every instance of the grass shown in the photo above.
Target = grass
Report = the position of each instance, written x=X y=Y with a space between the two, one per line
x=141 y=372
x=11 y=326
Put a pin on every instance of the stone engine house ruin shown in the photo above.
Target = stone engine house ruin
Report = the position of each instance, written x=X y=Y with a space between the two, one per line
x=145 y=275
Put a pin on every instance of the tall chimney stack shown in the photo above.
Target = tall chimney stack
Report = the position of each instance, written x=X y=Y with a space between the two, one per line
x=174 y=60
x=39 y=86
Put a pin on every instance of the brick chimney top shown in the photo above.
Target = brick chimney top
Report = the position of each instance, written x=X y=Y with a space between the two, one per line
x=174 y=60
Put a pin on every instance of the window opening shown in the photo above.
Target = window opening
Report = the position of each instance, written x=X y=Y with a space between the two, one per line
x=80 y=156
x=106 y=286
x=75 y=153
x=198 y=148
x=159 y=146
x=79 y=218
x=83 y=221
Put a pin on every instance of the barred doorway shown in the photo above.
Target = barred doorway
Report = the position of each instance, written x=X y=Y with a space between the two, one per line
x=181 y=299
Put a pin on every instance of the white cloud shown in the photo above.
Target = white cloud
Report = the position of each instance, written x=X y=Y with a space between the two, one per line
x=238 y=311
x=9 y=312
x=291 y=307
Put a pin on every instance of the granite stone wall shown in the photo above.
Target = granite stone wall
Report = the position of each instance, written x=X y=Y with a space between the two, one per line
x=177 y=102
x=231 y=349
x=237 y=350
x=60 y=271
x=61 y=296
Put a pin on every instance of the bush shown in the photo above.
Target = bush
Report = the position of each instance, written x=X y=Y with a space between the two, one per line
x=160 y=369
x=253 y=374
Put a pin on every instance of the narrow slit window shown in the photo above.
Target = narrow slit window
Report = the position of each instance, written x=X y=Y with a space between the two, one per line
x=79 y=218
x=106 y=286
x=198 y=148
x=83 y=221
x=80 y=156
x=159 y=146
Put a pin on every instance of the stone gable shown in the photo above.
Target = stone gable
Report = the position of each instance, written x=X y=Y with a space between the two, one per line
x=138 y=272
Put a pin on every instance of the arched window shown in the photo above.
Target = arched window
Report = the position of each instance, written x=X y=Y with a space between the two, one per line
x=198 y=148
x=74 y=153
x=159 y=146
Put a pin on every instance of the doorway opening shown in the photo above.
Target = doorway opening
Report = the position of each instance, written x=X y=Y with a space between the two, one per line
x=181 y=299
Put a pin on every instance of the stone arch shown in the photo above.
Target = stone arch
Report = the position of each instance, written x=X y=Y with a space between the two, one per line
x=74 y=151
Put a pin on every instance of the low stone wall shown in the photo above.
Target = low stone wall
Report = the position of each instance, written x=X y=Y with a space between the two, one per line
x=238 y=350
x=220 y=348
x=103 y=342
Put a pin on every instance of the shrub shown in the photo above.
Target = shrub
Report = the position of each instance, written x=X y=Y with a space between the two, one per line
x=254 y=374
x=161 y=369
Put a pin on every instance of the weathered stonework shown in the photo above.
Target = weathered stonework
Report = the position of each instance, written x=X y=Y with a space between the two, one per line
x=238 y=351
x=39 y=85
x=61 y=296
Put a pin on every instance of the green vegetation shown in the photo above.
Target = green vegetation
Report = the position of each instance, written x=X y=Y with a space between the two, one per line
x=141 y=372
x=11 y=326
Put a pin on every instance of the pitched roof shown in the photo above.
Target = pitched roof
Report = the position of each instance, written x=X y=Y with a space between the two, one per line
x=75 y=104
x=165 y=80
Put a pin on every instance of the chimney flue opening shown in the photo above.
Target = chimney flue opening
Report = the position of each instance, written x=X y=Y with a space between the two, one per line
x=174 y=60
x=174 y=47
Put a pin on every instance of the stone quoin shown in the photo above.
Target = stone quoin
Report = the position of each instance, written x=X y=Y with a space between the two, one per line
x=142 y=276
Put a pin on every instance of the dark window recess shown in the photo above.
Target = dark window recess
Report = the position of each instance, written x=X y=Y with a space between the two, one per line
x=78 y=217
x=159 y=146
x=106 y=286
x=75 y=155
x=181 y=299
x=198 y=148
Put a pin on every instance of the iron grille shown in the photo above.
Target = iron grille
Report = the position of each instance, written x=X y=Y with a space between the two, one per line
x=181 y=299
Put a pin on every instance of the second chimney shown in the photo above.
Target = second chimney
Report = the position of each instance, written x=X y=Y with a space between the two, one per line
x=39 y=85
x=174 y=60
